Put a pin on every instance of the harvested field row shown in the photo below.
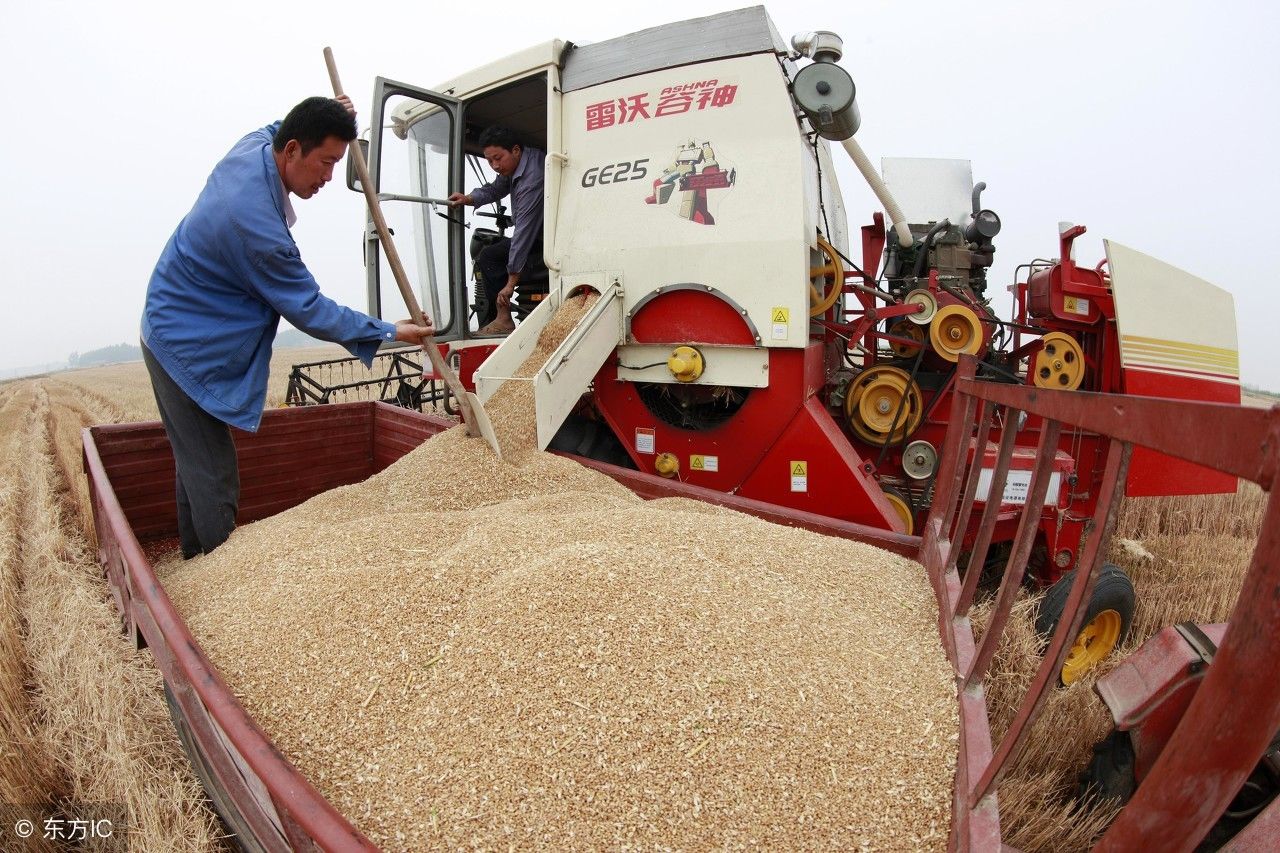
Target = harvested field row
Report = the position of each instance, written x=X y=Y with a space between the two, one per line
x=83 y=714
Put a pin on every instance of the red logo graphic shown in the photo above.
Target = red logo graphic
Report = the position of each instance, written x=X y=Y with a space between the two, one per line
x=673 y=100
x=694 y=172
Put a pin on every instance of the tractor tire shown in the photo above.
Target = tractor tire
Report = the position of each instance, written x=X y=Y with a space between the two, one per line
x=1106 y=620
x=1110 y=774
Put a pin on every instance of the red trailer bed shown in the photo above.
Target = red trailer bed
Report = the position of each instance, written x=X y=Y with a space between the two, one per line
x=268 y=804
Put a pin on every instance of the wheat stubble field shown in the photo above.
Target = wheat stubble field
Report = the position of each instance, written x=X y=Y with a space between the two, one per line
x=83 y=717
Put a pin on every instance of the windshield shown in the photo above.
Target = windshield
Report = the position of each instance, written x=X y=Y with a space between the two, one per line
x=417 y=166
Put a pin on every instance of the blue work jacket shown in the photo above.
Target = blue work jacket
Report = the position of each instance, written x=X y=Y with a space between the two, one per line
x=227 y=275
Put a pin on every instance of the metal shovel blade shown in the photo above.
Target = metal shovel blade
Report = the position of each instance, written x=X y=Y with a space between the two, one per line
x=480 y=424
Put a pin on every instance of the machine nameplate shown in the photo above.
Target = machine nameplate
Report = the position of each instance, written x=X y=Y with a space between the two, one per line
x=1017 y=486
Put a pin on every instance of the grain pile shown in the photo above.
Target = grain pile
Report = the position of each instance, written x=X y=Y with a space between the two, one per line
x=466 y=652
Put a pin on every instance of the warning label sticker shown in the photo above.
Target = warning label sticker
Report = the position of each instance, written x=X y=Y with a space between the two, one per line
x=704 y=463
x=780 y=320
x=799 y=476
x=1076 y=305
x=644 y=440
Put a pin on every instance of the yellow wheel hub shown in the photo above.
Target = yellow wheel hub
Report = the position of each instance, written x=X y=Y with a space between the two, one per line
x=830 y=276
x=903 y=508
x=1060 y=364
x=873 y=402
x=912 y=331
x=956 y=331
x=1094 y=642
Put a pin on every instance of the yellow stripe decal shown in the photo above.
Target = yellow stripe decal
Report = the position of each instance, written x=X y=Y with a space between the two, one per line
x=1179 y=354
x=1183 y=345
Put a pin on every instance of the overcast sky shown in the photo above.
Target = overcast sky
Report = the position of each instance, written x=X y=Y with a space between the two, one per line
x=1154 y=124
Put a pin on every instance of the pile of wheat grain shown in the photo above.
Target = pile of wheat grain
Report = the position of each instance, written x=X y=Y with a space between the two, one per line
x=466 y=652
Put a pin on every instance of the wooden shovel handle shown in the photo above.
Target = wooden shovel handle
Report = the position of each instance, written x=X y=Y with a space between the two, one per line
x=438 y=364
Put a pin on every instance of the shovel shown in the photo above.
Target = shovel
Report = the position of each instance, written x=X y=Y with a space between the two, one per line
x=473 y=413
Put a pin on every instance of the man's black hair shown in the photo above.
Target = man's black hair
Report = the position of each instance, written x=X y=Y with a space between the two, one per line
x=502 y=137
x=313 y=121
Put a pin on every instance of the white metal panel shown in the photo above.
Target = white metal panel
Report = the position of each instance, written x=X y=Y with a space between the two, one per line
x=757 y=250
x=1170 y=321
x=930 y=190
x=573 y=365
x=503 y=362
x=502 y=71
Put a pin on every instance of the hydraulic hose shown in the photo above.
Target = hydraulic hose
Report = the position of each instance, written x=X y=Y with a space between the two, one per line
x=882 y=192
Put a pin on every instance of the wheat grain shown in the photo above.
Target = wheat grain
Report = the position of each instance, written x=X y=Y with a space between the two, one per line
x=574 y=668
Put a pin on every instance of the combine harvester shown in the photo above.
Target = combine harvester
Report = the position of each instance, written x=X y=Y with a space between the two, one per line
x=739 y=355
x=737 y=346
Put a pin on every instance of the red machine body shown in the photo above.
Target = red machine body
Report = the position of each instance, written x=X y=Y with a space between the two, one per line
x=798 y=442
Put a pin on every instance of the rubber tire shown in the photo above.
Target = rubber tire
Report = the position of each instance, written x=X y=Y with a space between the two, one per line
x=1113 y=591
x=1110 y=774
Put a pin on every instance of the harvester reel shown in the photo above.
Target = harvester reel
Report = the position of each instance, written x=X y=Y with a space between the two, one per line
x=925 y=298
x=831 y=274
x=956 y=331
x=1060 y=364
x=873 y=403
x=906 y=329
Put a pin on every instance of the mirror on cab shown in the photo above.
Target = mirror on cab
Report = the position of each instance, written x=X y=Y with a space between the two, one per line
x=353 y=179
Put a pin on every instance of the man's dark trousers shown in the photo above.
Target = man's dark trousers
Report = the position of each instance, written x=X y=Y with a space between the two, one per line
x=207 y=479
x=492 y=263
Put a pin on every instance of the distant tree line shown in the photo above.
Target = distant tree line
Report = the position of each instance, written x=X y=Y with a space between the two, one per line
x=117 y=353
x=113 y=354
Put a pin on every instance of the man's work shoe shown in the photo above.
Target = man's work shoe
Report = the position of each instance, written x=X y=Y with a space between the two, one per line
x=499 y=326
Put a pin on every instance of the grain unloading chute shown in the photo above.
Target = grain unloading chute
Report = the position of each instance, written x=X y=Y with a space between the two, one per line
x=568 y=373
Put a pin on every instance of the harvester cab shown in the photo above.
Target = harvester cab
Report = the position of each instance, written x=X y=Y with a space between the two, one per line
x=737 y=344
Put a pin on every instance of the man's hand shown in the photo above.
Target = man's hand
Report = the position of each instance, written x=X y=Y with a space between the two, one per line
x=504 y=295
x=346 y=104
x=459 y=198
x=411 y=333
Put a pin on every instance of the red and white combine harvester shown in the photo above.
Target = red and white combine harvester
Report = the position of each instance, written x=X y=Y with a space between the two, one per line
x=738 y=345
x=739 y=354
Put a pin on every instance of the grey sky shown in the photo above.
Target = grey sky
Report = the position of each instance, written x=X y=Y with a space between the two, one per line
x=1151 y=123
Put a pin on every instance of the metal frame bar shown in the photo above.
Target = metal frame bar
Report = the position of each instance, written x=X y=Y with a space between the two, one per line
x=1237 y=710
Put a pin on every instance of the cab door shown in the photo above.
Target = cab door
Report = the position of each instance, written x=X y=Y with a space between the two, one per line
x=415 y=162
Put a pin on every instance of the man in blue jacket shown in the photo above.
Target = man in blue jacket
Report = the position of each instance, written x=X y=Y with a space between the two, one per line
x=227 y=275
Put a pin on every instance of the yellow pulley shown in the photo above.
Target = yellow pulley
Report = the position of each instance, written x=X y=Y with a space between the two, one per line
x=902 y=507
x=1060 y=363
x=910 y=330
x=956 y=331
x=831 y=274
x=880 y=398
